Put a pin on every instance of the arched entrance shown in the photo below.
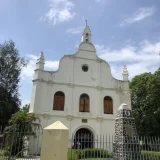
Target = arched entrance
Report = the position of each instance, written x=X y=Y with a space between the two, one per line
x=83 y=138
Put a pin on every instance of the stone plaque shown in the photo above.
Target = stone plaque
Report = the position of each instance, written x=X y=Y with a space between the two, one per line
x=84 y=120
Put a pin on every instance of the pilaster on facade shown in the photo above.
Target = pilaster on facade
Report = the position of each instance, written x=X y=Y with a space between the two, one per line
x=99 y=88
x=50 y=82
x=45 y=114
x=71 y=85
x=69 y=117
x=99 y=119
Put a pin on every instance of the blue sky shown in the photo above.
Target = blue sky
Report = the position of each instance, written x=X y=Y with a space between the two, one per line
x=123 y=31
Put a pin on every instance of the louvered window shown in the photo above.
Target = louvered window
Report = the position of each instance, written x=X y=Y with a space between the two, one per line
x=84 y=103
x=108 y=105
x=58 y=102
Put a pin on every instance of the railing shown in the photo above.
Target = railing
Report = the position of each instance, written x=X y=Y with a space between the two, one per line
x=24 y=142
x=102 y=147
x=20 y=142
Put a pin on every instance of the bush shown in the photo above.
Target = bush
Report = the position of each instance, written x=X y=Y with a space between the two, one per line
x=151 y=155
x=72 y=154
x=93 y=153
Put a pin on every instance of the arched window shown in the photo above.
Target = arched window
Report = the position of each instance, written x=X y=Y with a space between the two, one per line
x=58 y=102
x=84 y=103
x=108 y=105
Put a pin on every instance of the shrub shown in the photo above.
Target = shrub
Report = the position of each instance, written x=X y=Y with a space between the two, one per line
x=72 y=154
x=151 y=155
x=93 y=153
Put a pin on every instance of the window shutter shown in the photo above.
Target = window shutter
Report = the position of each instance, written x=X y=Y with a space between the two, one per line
x=59 y=103
x=105 y=106
x=62 y=103
x=59 y=99
x=108 y=105
x=81 y=107
x=111 y=107
x=108 y=108
x=55 y=103
x=86 y=105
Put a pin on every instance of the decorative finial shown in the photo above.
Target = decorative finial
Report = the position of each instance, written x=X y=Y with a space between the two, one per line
x=125 y=71
x=40 y=61
x=41 y=55
x=86 y=22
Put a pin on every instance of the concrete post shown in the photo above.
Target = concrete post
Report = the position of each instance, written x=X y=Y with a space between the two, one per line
x=55 y=142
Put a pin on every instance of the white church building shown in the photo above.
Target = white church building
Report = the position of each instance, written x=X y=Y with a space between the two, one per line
x=82 y=93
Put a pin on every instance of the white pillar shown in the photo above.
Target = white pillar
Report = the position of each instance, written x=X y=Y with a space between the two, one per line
x=55 y=142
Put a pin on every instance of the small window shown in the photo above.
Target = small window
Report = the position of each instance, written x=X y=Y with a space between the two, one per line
x=85 y=68
x=58 y=102
x=108 y=105
x=84 y=103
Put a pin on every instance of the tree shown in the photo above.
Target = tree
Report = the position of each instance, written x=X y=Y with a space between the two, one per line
x=26 y=108
x=145 y=95
x=22 y=125
x=11 y=65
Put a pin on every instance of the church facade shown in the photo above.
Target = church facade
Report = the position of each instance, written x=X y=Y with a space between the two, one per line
x=82 y=93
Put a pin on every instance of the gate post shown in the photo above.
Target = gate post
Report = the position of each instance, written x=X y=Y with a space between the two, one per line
x=55 y=142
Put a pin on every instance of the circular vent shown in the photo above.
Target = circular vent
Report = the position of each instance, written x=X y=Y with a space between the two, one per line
x=85 y=68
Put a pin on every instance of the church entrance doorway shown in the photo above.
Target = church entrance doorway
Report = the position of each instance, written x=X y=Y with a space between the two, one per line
x=83 y=139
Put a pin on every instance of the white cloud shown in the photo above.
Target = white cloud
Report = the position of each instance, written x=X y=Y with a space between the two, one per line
x=59 y=11
x=139 y=59
x=28 y=71
x=75 y=30
x=139 y=15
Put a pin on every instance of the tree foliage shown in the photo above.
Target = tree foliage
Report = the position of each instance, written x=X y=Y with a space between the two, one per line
x=145 y=89
x=22 y=125
x=11 y=65
x=26 y=108
x=22 y=117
